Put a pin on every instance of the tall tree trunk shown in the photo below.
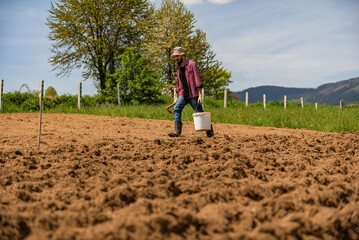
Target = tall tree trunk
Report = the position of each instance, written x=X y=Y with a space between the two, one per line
x=101 y=74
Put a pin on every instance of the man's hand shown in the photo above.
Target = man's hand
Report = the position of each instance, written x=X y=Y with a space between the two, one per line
x=200 y=99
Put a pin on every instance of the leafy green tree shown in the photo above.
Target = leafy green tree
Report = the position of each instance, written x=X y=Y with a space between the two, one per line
x=175 y=26
x=138 y=82
x=88 y=34
x=219 y=78
x=213 y=76
x=50 y=92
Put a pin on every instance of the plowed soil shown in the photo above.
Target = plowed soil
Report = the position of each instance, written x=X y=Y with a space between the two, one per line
x=121 y=178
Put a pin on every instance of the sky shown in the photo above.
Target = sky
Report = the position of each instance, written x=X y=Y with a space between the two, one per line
x=289 y=43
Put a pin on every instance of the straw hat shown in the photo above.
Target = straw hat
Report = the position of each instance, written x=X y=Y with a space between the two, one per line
x=178 y=51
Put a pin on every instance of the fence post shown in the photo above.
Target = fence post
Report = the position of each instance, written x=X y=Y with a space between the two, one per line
x=225 y=98
x=41 y=94
x=246 y=99
x=341 y=104
x=1 y=93
x=302 y=102
x=264 y=101
x=316 y=105
x=285 y=101
x=79 y=96
x=118 y=95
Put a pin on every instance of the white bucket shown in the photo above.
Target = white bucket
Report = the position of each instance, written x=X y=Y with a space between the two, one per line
x=202 y=121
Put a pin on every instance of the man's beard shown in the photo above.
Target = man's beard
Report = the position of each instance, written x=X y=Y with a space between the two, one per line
x=180 y=61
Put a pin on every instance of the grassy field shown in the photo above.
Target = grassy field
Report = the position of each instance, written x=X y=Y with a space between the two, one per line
x=325 y=118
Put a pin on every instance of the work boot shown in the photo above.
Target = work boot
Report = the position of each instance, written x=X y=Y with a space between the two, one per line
x=210 y=133
x=178 y=130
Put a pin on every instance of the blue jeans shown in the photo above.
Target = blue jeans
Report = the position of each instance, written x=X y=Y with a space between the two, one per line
x=182 y=102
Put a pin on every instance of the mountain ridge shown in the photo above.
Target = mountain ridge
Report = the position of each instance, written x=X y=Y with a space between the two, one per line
x=328 y=93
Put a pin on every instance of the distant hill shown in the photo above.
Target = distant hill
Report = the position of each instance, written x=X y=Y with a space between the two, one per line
x=330 y=93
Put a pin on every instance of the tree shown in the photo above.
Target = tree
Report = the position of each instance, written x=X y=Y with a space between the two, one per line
x=219 y=79
x=88 y=34
x=50 y=92
x=175 y=26
x=138 y=82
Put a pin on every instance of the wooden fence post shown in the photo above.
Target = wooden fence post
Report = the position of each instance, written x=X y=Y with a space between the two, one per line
x=285 y=101
x=225 y=98
x=341 y=104
x=302 y=102
x=118 y=95
x=79 y=96
x=246 y=99
x=316 y=106
x=264 y=101
x=41 y=94
x=1 y=93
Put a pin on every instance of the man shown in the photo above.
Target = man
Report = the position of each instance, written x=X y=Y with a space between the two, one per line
x=189 y=88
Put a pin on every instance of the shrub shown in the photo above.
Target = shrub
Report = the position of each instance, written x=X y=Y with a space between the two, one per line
x=50 y=92
x=138 y=83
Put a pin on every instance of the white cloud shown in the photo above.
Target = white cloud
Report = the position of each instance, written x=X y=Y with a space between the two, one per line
x=193 y=2
x=302 y=56
x=221 y=1
x=291 y=46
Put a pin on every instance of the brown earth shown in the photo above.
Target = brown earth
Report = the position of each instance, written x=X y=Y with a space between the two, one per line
x=120 y=178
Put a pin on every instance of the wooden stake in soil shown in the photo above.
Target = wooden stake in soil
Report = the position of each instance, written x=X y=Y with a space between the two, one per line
x=79 y=97
x=1 y=93
x=118 y=95
x=285 y=101
x=41 y=94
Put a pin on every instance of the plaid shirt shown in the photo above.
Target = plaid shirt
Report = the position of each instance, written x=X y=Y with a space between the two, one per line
x=193 y=80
